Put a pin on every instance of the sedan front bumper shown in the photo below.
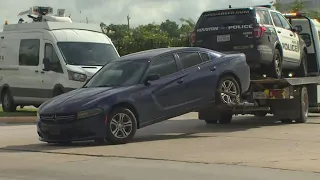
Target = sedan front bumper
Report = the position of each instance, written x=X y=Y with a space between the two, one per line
x=78 y=130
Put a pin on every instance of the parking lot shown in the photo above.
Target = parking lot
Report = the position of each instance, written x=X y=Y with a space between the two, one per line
x=246 y=143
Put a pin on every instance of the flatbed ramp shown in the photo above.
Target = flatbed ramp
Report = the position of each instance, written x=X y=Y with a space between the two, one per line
x=287 y=99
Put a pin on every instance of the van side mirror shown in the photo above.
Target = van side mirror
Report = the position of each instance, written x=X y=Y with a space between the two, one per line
x=151 y=77
x=46 y=63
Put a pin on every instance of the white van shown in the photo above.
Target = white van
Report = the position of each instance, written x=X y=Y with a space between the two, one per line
x=40 y=60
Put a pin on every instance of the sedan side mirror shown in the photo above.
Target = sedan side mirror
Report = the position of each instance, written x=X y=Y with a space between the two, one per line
x=151 y=77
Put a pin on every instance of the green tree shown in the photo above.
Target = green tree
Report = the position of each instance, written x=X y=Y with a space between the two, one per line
x=297 y=6
x=171 y=27
x=314 y=14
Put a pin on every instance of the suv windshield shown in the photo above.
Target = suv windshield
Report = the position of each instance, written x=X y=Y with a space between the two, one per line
x=119 y=73
x=87 y=53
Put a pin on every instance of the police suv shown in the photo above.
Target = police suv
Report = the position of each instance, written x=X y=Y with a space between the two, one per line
x=272 y=46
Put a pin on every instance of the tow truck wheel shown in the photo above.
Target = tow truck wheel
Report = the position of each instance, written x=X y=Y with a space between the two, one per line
x=225 y=118
x=304 y=106
x=276 y=66
x=302 y=71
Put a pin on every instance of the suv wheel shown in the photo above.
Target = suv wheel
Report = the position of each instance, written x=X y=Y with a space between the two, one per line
x=302 y=71
x=276 y=66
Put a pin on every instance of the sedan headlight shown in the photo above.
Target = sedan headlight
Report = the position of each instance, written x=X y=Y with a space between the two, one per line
x=89 y=113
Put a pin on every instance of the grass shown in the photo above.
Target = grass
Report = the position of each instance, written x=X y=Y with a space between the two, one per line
x=20 y=112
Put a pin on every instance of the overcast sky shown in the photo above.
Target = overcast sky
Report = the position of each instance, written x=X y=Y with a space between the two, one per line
x=115 y=11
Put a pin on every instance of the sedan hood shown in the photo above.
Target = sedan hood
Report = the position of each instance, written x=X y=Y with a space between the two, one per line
x=77 y=100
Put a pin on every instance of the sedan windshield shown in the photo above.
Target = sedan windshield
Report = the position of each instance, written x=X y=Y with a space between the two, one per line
x=87 y=53
x=119 y=73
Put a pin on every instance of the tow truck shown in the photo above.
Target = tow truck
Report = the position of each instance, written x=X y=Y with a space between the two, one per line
x=288 y=99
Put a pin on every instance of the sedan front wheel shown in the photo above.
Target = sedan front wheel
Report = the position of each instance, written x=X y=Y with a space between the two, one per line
x=121 y=126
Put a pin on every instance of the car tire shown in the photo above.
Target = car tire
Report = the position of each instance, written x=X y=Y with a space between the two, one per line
x=304 y=106
x=121 y=126
x=57 y=92
x=210 y=121
x=7 y=101
x=226 y=118
x=227 y=85
x=286 y=121
x=260 y=114
x=302 y=71
x=275 y=70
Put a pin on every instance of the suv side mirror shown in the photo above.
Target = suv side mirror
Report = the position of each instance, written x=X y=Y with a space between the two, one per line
x=46 y=63
x=297 y=29
x=151 y=77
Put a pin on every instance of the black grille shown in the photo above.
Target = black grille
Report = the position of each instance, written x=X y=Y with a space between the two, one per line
x=57 y=119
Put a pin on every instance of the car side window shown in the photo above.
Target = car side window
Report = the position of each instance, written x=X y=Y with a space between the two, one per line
x=189 y=59
x=53 y=57
x=276 y=19
x=29 y=52
x=284 y=22
x=263 y=17
x=205 y=57
x=163 y=66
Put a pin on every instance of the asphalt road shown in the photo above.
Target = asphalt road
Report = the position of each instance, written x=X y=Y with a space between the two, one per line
x=182 y=148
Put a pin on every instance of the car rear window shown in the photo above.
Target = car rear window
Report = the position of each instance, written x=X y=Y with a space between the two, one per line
x=226 y=18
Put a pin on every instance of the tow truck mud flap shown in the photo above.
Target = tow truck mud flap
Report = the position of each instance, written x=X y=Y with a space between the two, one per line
x=287 y=108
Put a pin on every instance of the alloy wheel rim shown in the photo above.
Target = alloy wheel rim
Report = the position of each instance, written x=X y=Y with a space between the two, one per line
x=277 y=64
x=229 y=92
x=305 y=105
x=121 y=125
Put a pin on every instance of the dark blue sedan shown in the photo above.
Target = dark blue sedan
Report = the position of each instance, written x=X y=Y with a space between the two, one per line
x=141 y=89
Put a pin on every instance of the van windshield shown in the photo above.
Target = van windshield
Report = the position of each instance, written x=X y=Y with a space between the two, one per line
x=87 y=53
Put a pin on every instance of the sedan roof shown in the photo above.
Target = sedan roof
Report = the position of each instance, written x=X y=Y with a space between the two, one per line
x=149 y=54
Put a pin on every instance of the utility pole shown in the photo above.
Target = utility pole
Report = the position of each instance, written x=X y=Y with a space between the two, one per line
x=87 y=20
x=128 y=19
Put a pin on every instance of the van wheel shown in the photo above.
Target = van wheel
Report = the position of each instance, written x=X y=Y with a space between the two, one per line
x=57 y=92
x=276 y=66
x=302 y=71
x=8 y=102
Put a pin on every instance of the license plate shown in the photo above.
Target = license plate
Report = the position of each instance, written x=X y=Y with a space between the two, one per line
x=223 y=38
x=259 y=95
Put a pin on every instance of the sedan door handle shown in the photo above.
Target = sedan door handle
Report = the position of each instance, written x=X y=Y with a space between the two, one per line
x=42 y=72
x=180 y=81
x=36 y=71
x=213 y=68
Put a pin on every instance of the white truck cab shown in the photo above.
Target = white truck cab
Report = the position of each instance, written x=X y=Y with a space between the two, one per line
x=309 y=30
x=48 y=57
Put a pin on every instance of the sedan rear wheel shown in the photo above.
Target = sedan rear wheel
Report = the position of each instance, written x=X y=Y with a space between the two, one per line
x=121 y=126
x=228 y=91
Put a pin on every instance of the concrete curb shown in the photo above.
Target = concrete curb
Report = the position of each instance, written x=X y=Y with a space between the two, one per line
x=18 y=119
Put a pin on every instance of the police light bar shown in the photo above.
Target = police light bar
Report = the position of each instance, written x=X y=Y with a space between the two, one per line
x=293 y=15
